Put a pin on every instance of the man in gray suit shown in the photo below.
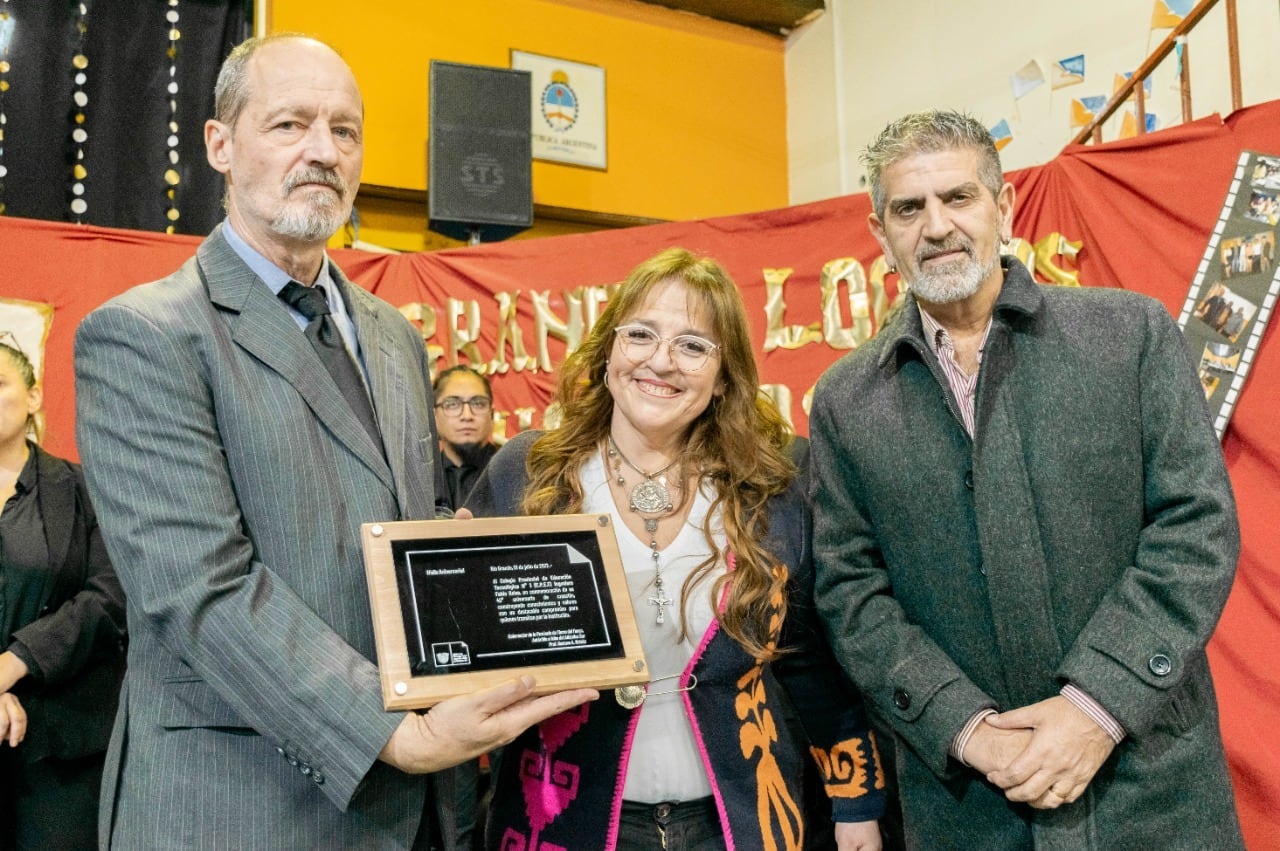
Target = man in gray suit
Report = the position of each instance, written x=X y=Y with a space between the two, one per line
x=1024 y=531
x=232 y=471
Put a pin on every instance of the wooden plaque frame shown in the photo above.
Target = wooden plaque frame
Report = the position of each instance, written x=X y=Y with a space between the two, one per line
x=407 y=562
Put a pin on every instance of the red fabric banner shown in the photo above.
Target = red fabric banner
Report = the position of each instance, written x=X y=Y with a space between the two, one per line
x=1135 y=214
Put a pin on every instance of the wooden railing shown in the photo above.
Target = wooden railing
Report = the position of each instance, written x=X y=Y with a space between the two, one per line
x=1092 y=132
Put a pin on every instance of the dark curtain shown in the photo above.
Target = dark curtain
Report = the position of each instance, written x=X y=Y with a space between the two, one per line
x=126 y=152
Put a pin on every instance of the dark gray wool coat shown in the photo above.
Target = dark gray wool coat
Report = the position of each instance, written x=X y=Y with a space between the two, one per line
x=1088 y=534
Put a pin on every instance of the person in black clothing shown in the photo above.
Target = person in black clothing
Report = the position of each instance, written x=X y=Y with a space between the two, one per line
x=62 y=627
x=464 y=416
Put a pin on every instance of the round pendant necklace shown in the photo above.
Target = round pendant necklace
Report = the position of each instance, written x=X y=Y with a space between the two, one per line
x=648 y=497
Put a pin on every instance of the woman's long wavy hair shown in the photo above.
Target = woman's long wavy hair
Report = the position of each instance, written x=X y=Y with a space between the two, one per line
x=738 y=444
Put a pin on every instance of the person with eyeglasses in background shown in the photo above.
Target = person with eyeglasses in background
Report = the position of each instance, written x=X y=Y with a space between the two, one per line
x=464 y=418
x=664 y=429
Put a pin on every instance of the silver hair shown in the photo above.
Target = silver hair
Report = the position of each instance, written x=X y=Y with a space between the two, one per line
x=929 y=132
x=231 y=91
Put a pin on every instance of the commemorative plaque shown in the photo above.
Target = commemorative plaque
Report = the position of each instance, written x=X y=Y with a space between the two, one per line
x=462 y=605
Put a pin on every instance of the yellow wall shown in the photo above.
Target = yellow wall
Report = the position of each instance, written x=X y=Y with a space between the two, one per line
x=696 y=108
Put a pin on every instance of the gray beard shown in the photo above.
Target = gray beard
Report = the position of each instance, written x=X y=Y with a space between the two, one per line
x=317 y=220
x=947 y=286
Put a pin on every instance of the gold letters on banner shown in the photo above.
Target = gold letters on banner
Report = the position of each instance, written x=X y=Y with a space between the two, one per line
x=1045 y=252
x=584 y=308
x=844 y=285
x=509 y=327
x=776 y=335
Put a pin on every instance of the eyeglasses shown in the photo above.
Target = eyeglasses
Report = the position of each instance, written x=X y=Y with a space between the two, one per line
x=452 y=405
x=688 y=351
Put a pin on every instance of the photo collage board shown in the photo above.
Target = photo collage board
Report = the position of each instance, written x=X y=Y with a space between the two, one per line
x=1236 y=284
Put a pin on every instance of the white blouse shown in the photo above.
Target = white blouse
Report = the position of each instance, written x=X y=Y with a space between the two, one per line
x=665 y=764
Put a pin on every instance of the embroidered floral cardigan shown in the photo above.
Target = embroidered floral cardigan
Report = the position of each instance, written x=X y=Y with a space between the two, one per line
x=559 y=786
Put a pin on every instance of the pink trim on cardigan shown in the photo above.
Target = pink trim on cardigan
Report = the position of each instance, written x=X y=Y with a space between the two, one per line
x=697 y=734
x=615 y=812
x=615 y=815
x=711 y=633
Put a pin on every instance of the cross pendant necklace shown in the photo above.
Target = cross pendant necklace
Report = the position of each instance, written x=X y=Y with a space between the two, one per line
x=649 y=497
x=659 y=598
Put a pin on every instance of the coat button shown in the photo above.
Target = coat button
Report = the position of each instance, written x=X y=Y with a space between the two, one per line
x=1160 y=665
x=968 y=479
x=318 y=778
x=901 y=699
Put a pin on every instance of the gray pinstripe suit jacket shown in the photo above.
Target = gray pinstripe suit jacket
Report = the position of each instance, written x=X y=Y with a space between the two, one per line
x=231 y=479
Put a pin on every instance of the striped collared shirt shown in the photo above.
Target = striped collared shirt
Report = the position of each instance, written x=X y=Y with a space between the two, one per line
x=963 y=385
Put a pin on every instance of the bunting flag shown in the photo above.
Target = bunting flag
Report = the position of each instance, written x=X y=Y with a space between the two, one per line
x=1026 y=79
x=1084 y=109
x=1001 y=134
x=1129 y=124
x=1121 y=78
x=1167 y=14
x=1068 y=72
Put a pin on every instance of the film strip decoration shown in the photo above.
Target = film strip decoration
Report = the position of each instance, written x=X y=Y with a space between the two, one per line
x=171 y=175
x=6 y=38
x=1236 y=284
x=80 y=132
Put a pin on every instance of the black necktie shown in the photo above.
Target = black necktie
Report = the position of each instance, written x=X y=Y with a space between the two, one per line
x=327 y=341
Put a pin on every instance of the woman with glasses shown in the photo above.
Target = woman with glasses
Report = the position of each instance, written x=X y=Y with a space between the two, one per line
x=663 y=427
x=61 y=631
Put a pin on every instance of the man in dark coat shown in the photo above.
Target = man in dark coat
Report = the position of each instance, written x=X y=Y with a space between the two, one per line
x=1024 y=532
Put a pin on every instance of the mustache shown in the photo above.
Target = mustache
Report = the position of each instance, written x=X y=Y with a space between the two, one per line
x=325 y=176
x=933 y=249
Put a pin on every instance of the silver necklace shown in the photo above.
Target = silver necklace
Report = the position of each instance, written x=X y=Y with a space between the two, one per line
x=648 y=497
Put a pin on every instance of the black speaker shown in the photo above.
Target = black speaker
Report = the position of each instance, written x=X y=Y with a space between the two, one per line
x=480 y=152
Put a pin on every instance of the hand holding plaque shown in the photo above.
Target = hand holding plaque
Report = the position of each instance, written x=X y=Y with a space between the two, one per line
x=462 y=728
x=460 y=606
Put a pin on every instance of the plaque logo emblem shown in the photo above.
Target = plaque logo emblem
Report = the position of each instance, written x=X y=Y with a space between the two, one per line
x=451 y=654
